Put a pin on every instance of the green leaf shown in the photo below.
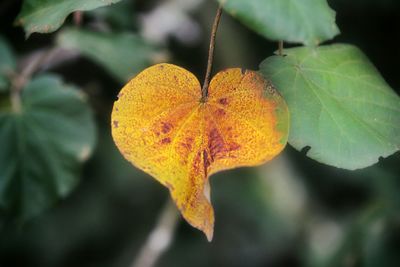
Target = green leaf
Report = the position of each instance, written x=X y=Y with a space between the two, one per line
x=299 y=21
x=119 y=17
x=122 y=54
x=43 y=147
x=46 y=16
x=7 y=63
x=340 y=105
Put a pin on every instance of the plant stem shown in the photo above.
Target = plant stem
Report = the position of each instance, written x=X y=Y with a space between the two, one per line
x=20 y=80
x=204 y=90
x=159 y=238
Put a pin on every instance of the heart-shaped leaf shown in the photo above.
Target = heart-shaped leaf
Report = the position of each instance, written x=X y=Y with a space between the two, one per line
x=340 y=105
x=42 y=146
x=46 y=16
x=161 y=125
x=301 y=21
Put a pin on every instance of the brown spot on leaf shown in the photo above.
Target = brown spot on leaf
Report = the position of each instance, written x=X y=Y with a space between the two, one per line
x=189 y=140
x=196 y=162
x=206 y=162
x=220 y=112
x=223 y=101
x=215 y=143
x=115 y=123
x=185 y=148
x=218 y=148
x=233 y=146
x=197 y=165
x=166 y=140
x=166 y=127
x=188 y=144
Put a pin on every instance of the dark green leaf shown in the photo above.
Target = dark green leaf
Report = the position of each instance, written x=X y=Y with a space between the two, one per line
x=301 y=21
x=119 y=17
x=381 y=244
x=122 y=54
x=340 y=105
x=7 y=63
x=46 y=16
x=43 y=146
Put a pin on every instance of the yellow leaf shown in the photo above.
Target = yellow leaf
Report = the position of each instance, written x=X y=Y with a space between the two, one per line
x=161 y=126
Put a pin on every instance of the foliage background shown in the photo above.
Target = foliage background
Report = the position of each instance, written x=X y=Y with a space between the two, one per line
x=292 y=212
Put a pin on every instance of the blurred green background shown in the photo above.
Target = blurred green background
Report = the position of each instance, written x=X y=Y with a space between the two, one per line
x=291 y=212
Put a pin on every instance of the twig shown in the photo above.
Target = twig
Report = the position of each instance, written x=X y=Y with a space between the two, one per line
x=20 y=80
x=159 y=238
x=204 y=90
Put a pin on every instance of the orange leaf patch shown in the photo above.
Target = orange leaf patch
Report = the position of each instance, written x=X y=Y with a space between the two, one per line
x=161 y=126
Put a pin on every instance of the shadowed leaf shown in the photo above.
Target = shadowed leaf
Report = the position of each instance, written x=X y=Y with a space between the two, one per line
x=7 y=64
x=43 y=147
x=122 y=54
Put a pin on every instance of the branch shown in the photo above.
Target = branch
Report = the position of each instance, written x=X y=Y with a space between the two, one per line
x=19 y=81
x=32 y=63
x=160 y=237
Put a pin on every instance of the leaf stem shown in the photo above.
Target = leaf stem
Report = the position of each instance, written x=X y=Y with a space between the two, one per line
x=204 y=89
x=280 y=48
x=160 y=238
x=77 y=18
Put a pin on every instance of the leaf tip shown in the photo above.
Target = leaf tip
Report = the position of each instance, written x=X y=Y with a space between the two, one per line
x=209 y=234
x=28 y=33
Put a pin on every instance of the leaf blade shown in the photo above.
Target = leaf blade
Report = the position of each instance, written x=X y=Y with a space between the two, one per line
x=45 y=144
x=161 y=126
x=121 y=54
x=309 y=22
x=340 y=104
x=45 y=16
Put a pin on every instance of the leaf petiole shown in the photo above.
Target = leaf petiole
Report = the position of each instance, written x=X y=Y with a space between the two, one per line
x=204 y=89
